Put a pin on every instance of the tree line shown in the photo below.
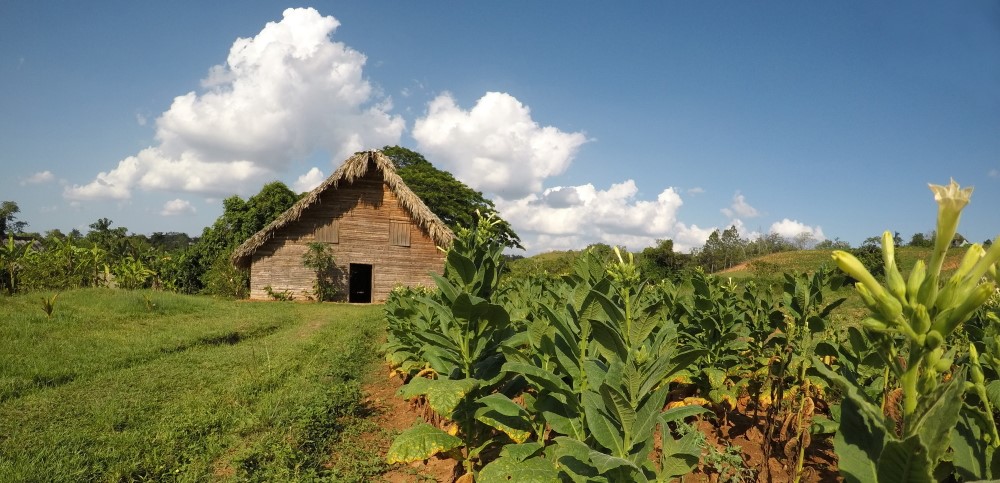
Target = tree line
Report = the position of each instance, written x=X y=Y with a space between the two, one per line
x=109 y=254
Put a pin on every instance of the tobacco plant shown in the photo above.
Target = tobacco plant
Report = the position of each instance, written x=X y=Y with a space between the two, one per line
x=946 y=412
x=462 y=350
x=793 y=389
x=717 y=329
x=599 y=369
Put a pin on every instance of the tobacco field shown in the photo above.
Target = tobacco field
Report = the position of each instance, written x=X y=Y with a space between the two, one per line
x=603 y=375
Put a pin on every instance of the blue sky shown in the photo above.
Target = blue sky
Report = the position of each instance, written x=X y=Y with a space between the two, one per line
x=585 y=121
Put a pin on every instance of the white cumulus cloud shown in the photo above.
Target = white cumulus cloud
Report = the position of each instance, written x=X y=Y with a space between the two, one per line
x=177 y=207
x=496 y=146
x=791 y=229
x=280 y=96
x=740 y=208
x=567 y=217
x=310 y=180
x=39 y=177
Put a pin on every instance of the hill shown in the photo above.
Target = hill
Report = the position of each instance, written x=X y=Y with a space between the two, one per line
x=769 y=266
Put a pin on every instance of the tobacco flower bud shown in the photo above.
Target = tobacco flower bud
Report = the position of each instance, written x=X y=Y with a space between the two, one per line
x=916 y=278
x=921 y=319
x=977 y=297
x=874 y=325
x=976 y=371
x=934 y=340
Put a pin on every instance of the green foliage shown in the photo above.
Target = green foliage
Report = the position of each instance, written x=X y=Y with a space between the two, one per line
x=49 y=305
x=835 y=244
x=224 y=280
x=9 y=224
x=922 y=240
x=283 y=296
x=722 y=250
x=660 y=262
x=452 y=201
x=204 y=266
x=716 y=326
x=319 y=258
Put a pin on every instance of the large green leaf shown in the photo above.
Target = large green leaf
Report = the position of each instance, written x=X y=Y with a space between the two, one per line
x=862 y=435
x=646 y=416
x=419 y=443
x=443 y=395
x=904 y=462
x=573 y=460
x=605 y=462
x=540 y=378
x=506 y=469
x=501 y=413
x=462 y=266
x=938 y=415
x=522 y=451
x=679 y=456
x=602 y=425
x=993 y=393
x=561 y=417
x=969 y=448
x=609 y=340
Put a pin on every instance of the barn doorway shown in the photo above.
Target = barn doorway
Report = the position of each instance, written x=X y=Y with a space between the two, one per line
x=359 y=287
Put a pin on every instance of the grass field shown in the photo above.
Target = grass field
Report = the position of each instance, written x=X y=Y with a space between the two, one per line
x=144 y=385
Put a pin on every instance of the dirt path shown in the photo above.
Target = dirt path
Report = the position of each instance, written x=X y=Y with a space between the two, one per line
x=394 y=414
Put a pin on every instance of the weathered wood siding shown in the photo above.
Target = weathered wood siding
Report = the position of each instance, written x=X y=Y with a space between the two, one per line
x=364 y=210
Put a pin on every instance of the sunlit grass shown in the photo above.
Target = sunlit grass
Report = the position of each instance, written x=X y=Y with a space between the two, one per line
x=147 y=385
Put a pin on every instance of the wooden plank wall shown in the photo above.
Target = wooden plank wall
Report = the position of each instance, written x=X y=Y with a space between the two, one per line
x=365 y=209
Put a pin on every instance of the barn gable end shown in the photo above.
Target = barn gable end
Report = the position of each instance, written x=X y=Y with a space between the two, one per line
x=365 y=213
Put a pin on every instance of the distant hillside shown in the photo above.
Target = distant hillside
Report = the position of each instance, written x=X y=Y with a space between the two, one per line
x=767 y=266
x=775 y=264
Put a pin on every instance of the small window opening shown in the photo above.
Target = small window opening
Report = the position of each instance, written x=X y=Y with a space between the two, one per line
x=399 y=233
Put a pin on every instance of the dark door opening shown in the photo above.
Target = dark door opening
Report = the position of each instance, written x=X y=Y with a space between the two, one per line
x=359 y=287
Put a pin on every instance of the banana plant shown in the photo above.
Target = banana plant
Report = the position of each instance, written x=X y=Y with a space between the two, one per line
x=131 y=273
x=945 y=412
x=12 y=256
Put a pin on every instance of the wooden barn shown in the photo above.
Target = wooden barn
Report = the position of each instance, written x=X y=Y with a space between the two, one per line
x=380 y=234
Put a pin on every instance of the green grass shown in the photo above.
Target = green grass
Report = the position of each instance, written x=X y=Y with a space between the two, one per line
x=144 y=385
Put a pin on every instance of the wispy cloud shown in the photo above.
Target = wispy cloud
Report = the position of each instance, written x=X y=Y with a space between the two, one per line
x=740 y=208
x=39 y=177
x=791 y=229
x=177 y=207
x=310 y=180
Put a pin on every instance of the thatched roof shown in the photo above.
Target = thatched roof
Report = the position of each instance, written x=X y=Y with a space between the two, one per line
x=353 y=168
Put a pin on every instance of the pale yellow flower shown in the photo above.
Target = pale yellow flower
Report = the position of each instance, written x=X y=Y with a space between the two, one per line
x=951 y=199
